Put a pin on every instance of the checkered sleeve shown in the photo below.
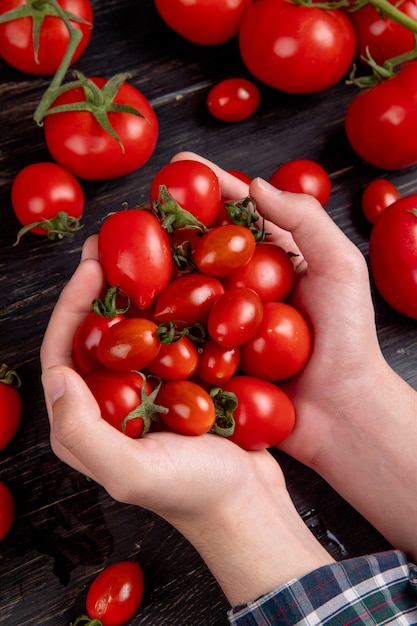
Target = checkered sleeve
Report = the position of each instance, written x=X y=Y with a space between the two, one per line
x=375 y=589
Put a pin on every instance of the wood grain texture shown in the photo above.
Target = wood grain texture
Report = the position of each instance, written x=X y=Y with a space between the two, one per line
x=66 y=528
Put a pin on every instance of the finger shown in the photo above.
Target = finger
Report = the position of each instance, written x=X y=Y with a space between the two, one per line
x=90 y=248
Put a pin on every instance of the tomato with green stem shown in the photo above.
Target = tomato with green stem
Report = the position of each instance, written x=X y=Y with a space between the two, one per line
x=10 y=404
x=177 y=360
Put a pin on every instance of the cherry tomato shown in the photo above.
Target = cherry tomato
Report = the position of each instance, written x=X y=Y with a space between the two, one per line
x=77 y=140
x=216 y=363
x=193 y=185
x=7 y=509
x=131 y=344
x=241 y=176
x=17 y=45
x=393 y=255
x=381 y=122
x=135 y=254
x=10 y=405
x=270 y=273
x=280 y=347
x=224 y=249
x=175 y=361
x=115 y=594
x=118 y=394
x=205 y=22
x=264 y=416
x=233 y=99
x=86 y=339
x=190 y=408
x=297 y=49
x=303 y=176
x=48 y=200
x=235 y=316
x=378 y=194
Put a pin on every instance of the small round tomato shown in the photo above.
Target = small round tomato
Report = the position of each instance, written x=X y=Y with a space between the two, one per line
x=175 y=361
x=217 y=364
x=10 y=405
x=7 y=509
x=235 y=316
x=131 y=344
x=224 y=249
x=86 y=339
x=264 y=415
x=191 y=410
x=48 y=200
x=115 y=594
x=378 y=195
x=303 y=176
x=280 y=347
x=241 y=176
x=233 y=99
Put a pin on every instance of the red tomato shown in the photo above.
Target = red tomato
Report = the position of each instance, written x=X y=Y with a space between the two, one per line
x=190 y=408
x=115 y=594
x=175 y=361
x=381 y=122
x=86 y=339
x=17 y=45
x=77 y=140
x=10 y=405
x=224 y=249
x=235 y=316
x=280 y=347
x=378 y=194
x=121 y=394
x=303 y=176
x=216 y=363
x=193 y=185
x=270 y=273
x=393 y=255
x=7 y=510
x=385 y=38
x=47 y=198
x=188 y=299
x=131 y=344
x=233 y=99
x=205 y=22
x=297 y=49
x=241 y=176
x=264 y=416
x=135 y=253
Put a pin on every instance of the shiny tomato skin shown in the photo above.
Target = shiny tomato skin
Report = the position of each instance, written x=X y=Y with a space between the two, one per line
x=233 y=99
x=7 y=509
x=393 y=255
x=241 y=176
x=135 y=254
x=204 y=22
x=131 y=344
x=296 y=49
x=86 y=339
x=115 y=594
x=381 y=122
x=16 y=37
x=117 y=394
x=224 y=249
x=10 y=412
x=41 y=190
x=270 y=273
x=377 y=196
x=280 y=347
x=77 y=141
x=264 y=416
x=303 y=176
x=175 y=361
x=217 y=364
x=235 y=317
x=190 y=408
x=188 y=299
x=193 y=185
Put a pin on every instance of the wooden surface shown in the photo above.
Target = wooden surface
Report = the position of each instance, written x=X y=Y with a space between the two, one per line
x=67 y=529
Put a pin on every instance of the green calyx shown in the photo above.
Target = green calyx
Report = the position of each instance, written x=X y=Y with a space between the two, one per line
x=225 y=403
x=172 y=216
x=9 y=377
x=61 y=226
x=169 y=332
x=84 y=620
x=107 y=307
x=381 y=72
x=243 y=213
x=147 y=410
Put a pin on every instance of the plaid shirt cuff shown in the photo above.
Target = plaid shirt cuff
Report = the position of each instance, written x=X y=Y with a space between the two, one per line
x=375 y=589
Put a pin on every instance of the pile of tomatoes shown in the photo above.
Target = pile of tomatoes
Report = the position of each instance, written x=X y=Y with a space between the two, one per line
x=209 y=331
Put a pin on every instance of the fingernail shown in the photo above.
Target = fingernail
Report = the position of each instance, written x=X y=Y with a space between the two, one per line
x=53 y=382
x=265 y=186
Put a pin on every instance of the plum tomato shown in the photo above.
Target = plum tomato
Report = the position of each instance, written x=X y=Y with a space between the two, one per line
x=191 y=410
x=233 y=99
x=10 y=404
x=224 y=249
x=377 y=196
x=131 y=344
x=7 y=509
x=175 y=361
x=216 y=363
x=303 y=176
x=235 y=316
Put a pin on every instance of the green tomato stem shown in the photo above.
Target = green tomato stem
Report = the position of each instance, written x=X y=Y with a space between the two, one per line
x=395 y=14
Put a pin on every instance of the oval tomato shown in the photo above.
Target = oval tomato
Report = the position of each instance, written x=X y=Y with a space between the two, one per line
x=280 y=347
x=381 y=122
x=297 y=49
x=190 y=408
x=135 y=254
x=10 y=405
x=205 y=22
x=17 y=45
x=235 y=316
x=79 y=142
x=115 y=594
x=233 y=99
x=217 y=364
x=264 y=415
x=378 y=195
x=175 y=361
x=131 y=344
x=86 y=339
x=7 y=509
x=393 y=255
x=303 y=176
x=224 y=249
